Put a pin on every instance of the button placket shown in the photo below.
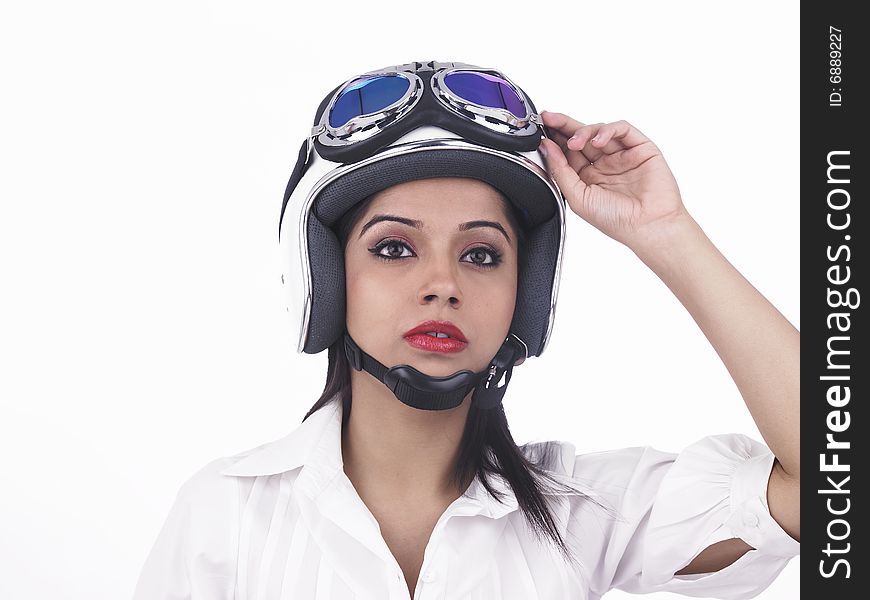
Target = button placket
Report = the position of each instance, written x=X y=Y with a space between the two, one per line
x=402 y=592
x=431 y=581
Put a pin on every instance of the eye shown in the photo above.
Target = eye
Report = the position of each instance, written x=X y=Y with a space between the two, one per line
x=481 y=256
x=392 y=246
x=481 y=252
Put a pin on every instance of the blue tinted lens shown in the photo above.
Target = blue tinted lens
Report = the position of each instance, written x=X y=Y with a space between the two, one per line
x=485 y=90
x=367 y=95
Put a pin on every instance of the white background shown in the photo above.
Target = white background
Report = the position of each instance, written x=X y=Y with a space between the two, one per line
x=145 y=151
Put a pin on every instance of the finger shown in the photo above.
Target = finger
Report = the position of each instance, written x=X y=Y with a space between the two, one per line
x=580 y=141
x=621 y=132
x=611 y=137
x=566 y=177
x=596 y=141
x=578 y=144
x=562 y=124
x=576 y=159
x=571 y=127
x=624 y=160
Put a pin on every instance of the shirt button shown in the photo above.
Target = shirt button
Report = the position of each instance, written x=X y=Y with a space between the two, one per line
x=750 y=519
x=428 y=577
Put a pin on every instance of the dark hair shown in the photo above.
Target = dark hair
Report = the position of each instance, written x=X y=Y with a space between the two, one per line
x=485 y=430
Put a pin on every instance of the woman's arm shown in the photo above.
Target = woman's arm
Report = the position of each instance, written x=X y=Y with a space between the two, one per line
x=759 y=347
x=616 y=179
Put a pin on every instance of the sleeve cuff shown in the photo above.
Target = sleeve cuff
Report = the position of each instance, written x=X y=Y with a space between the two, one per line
x=750 y=517
x=715 y=490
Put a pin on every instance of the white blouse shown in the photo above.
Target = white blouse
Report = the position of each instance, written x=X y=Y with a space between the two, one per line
x=283 y=521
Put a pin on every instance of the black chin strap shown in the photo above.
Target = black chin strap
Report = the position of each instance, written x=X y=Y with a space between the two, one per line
x=418 y=390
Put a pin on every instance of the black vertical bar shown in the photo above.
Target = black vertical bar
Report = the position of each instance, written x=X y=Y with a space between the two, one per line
x=835 y=224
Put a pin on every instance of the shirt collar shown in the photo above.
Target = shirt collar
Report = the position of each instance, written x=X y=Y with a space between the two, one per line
x=302 y=446
x=316 y=445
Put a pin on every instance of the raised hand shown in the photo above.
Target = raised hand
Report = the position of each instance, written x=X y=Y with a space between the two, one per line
x=612 y=176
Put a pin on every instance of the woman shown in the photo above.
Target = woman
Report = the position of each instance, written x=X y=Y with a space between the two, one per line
x=423 y=234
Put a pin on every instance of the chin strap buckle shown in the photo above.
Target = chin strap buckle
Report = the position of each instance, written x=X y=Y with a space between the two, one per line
x=489 y=395
x=492 y=371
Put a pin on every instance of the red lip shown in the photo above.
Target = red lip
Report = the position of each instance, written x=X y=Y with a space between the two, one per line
x=439 y=327
x=433 y=344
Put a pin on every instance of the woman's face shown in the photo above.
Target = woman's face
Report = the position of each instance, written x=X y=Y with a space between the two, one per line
x=399 y=275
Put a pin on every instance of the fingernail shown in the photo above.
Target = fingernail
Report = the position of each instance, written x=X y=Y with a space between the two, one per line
x=542 y=148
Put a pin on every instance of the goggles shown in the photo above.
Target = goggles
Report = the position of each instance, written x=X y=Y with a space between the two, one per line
x=371 y=111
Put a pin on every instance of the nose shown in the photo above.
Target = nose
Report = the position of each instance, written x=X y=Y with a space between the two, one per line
x=441 y=284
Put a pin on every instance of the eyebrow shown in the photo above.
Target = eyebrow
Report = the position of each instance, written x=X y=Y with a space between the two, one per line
x=419 y=224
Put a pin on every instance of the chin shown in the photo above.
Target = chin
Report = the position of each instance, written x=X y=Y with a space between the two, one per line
x=451 y=361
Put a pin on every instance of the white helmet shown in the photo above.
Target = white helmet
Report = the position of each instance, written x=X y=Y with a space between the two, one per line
x=407 y=122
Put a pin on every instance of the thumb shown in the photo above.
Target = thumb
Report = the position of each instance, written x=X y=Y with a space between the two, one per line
x=570 y=184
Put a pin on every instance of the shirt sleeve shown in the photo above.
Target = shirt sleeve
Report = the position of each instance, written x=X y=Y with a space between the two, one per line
x=670 y=507
x=194 y=557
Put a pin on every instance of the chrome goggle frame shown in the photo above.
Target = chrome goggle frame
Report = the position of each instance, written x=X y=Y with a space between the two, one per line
x=364 y=127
